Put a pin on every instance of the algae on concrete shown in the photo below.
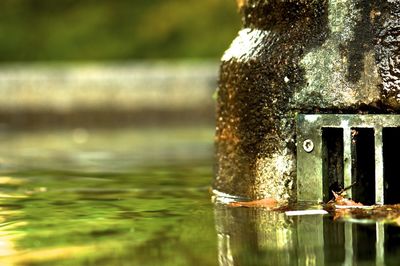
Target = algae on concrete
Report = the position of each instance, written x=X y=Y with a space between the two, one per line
x=296 y=57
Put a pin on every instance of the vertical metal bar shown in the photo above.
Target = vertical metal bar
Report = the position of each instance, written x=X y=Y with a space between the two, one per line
x=380 y=244
x=347 y=160
x=379 y=189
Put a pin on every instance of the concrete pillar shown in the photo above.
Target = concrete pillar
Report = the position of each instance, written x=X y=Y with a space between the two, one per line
x=298 y=56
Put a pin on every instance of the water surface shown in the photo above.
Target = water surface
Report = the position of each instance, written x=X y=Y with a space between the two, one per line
x=119 y=197
x=141 y=197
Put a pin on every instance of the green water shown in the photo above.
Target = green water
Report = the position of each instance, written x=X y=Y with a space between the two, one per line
x=119 y=197
x=141 y=197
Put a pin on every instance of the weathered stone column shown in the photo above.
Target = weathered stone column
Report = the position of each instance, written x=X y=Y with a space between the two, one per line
x=298 y=56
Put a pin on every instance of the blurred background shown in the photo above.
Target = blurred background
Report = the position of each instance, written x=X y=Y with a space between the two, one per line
x=96 y=82
x=98 y=63
x=106 y=130
x=46 y=30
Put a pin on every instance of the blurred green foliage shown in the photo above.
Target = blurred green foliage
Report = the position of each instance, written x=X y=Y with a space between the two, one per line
x=32 y=30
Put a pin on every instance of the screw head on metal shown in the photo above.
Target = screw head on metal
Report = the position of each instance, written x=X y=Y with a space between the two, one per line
x=308 y=145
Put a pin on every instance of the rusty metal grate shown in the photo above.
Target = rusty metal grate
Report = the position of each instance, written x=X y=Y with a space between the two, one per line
x=336 y=151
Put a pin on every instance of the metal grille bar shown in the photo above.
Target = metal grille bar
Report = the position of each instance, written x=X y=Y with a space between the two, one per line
x=313 y=182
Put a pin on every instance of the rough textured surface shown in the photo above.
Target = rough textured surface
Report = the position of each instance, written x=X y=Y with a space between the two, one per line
x=387 y=52
x=294 y=57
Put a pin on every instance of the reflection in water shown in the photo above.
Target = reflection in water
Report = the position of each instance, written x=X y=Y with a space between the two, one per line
x=108 y=219
x=8 y=238
x=224 y=250
x=107 y=197
x=133 y=198
x=255 y=236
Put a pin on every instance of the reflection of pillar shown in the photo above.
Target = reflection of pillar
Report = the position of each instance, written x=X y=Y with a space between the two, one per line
x=310 y=240
x=337 y=56
x=255 y=236
x=347 y=243
x=224 y=250
x=391 y=244
x=335 y=242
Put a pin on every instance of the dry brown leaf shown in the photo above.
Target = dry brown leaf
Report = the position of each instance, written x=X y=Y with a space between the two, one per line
x=340 y=200
x=263 y=203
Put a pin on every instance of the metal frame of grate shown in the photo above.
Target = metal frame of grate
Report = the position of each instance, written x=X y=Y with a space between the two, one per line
x=314 y=146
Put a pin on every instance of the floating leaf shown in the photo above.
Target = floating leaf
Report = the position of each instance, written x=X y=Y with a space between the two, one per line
x=263 y=203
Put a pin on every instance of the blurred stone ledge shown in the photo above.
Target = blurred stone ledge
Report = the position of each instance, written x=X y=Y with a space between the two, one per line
x=104 y=95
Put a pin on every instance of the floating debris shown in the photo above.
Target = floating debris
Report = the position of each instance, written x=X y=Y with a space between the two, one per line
x=340 y=200
x=263 y=203
x=306 y=212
